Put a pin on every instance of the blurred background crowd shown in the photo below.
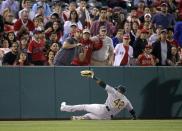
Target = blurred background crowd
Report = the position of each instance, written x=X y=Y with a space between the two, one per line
x=90 y=33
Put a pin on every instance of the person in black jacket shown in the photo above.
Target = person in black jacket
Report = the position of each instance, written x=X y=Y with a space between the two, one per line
x=162 y=49
x=10 y=57
x=140 y=43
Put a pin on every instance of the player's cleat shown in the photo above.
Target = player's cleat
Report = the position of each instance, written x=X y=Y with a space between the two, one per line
x=77 y=118
x=62 y=105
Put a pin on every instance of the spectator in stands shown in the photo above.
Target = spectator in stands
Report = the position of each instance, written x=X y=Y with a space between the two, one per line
x=105 y=55
x=8 y=18
x=123 y=52
x=53 y=17
x=47 y=9
x=50 y=58
x=94 y=14
x=102 y=21
x=127 y=30
x=10 y=57
x=11 y=37
x=24 y=44
x=12 y=5
x=170 y=37
x=163 y=18
x=83 y=58
x=38 y=21
x=162 y=49
x=140 y=8
x=22 y=60
x=118 y=18
x=54 y=47
x=135 y=29
x=24 y=23
x=83 y=14
x=140 y=43
x=146 y=11
x=26 y=4
x=72 y=19
x=66 y=13
x=146 y=58
x=56 y=29
x=5 y=46
x=65 y=55
x=36 y=48
x=57 y=8
x=132 y=16
x=51 y=39
x=174 y=56
x=40 y=12
x=147 y=20
x=110 y=14
x=118 y=38
x=155 y=35
x=73 y=28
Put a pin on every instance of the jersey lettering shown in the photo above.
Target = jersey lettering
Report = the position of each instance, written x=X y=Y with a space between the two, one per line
x=118 y=103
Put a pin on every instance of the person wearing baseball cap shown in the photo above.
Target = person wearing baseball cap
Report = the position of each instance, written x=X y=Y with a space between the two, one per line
x=164 y=31
x=37 y=43
x=163 y=17
x=162 y=49
x=69 y=49
x=147 y=17
x=87 y=47
x=144 y=31
x=123 y=52
x=86 y=31
x=103 y=56
x=126 y=37
x=164 y=4
x=140 y=42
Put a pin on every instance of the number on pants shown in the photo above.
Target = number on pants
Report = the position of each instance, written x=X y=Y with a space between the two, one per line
x=118 y=103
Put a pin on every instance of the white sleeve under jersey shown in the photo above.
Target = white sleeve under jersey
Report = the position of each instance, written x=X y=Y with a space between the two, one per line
x=116 y=101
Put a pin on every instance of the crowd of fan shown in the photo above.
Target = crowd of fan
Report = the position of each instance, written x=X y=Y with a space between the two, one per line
x=91 y=33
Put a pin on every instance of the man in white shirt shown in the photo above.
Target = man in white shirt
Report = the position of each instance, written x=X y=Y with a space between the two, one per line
x=123 y=52
x=103 y=56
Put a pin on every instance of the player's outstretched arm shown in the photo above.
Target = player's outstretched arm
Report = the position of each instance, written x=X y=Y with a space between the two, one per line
x=100 y=82
x=91 y=74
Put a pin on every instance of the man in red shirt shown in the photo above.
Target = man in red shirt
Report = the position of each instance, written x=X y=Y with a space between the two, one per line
x=24 y=23
x=83 y=58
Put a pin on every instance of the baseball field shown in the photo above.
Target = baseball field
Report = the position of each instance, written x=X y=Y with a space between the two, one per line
x=98 y=125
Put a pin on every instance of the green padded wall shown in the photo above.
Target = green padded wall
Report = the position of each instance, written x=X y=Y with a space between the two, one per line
x=10 y=93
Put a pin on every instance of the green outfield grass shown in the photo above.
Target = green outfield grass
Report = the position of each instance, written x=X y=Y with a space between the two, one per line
x=83 y=125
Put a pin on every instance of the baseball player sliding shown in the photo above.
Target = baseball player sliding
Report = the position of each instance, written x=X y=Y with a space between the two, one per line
x=115 y=102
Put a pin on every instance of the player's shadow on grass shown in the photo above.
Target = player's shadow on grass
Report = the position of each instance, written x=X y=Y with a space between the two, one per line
x=159 y=99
